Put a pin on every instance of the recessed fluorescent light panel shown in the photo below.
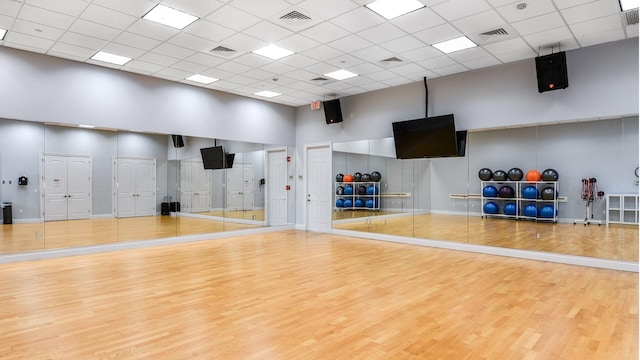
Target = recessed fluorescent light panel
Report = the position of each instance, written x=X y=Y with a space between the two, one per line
x=273 y=52
x=202 y=79
x=629 y=4
x=3 y=33
x=457 y=44
x=170 y=17
x=110 y=58
x=268 y=94
x=390 y=9
x=341 y=74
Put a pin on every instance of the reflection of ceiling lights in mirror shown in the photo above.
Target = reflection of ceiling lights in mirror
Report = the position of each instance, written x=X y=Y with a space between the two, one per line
x=86 y=126
x=267 y=94
x=629 y=4
x=273 y=52
x=341 y=74
x=390 y=9
x=3 y=32
x=110 y=58
x=456 y=44
x=170 y=17
x=202 y=79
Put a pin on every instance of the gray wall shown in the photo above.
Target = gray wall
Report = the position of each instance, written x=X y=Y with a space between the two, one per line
x=603 y=83
x=76 y=93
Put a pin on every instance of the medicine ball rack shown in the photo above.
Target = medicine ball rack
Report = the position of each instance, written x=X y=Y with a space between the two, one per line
x=374 y=197
x=520 y=201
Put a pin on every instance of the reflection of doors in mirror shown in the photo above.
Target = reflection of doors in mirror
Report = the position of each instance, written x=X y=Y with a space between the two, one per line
x=67 y=187
x=136 y=184
x=277 y=187
x=195 y=187
x=240 y=183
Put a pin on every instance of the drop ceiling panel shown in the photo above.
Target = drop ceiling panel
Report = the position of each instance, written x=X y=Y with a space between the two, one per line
x=590 y=11
x=539 y=23
x=487 y=20
x=37 y=30
x=534 y=8
x=208 y=30
x=68 y=7
x=325 y=32
x=195 y=8
x=71 y=50
x=95 y=30
x=152 y=30
x=267 y=32
x=46 y=17
x=233 y=18
x=21 y=41
x=381 y=33
x=191 y=42
x=260 y=8
x=437 y=34
x=82 y=40
x=403 y=44
x=358 y=20
x=136 y=41
x=418 y=20
x=108 y=17
x=457 y=9
x=297 y=43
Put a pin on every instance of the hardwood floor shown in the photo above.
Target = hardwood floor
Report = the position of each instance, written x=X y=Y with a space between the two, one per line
x=618 y=242
x=300 y=295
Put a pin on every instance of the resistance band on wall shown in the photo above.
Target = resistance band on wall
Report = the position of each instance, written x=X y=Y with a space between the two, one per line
x=589 y=193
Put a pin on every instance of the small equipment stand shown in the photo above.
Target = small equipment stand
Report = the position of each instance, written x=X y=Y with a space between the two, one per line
x=589 y=194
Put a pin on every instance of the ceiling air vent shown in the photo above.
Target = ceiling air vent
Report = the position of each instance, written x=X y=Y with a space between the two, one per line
x=294 y=15
x=223 y=51
x=631 y=17
x=391 y=60
x=493 y=33
x=320 y=79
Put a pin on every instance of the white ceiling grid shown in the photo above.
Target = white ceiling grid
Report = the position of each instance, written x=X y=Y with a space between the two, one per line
x=338 y=34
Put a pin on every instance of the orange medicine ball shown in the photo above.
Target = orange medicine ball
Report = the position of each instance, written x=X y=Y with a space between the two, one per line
x=348 y=178
x=533 y=176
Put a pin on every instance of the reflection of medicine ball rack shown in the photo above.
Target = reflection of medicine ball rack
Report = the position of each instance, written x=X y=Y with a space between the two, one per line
x=357 y=192
x=529 y=200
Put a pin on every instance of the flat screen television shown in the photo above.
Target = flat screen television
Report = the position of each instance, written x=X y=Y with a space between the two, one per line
x=213 y=158
x=425 y=138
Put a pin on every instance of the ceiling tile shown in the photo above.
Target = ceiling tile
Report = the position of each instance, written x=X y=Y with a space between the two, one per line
x=498 y=3
x=481 y=63
x=123 y=50
x=549 y=37
x=143 y=66
x=27 y=41
x=259 y=74
x=297 y=43
x=563 y=4
x=422 y=53
x=600 y=37
x=502 y=47
x=108 y=17
x=457 y=9
x=192 y=42
x=208 y=30
x=539 y=23
x=358 y=20
x=172 y=74
x=172 y=50
x=268 y=32
x=67 y=56
x=408 y=69
x=136 y=8
x=205 y=59
x=278 y=68
x=10 y=8
x=234 y=68
x=382 y=75
x=46 y=17
x=534 y=8
x=252 y=60
x=590 y=11
x=195 y=8
x=233 y=18
x=6 y=22
x=260 y=8
x=345 y=61
x=475 y=24
x=298 y=61
x=153 y=30
x=595 y=26
x=469 y=54
x=418 y=20
x=77 y=52
x=325 y=32
x=82 y=40
x=37 y=30
x=95 y=30
x=382 y=33
x=68 y=7
x=243 y=43
x=189 y=67
x=403 y=44
x=437 y=62
x=328 y=9
x=450 y=70
x=373 y=53
x=367 y=68
x=158 y=59
x=516 y=55
x=437 y=34
x=350 y=43
x=136 y=41
x=322 y=53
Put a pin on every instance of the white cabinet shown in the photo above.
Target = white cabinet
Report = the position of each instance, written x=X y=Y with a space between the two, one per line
x=357 y=195
x=622 y=209
x=524 y=200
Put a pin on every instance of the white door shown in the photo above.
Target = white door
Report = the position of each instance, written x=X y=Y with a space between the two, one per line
x=195 y=187
x=318 y=185
x=240 y=184
x=136 y=187
x=67 y=187
x=277 y=187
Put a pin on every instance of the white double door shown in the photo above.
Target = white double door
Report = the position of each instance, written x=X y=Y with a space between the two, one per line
x=240 y=185
x=136 y=187
x=67 y=187
x=195 y=187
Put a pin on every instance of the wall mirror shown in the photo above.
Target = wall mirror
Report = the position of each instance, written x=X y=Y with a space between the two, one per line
x=445 y=199
x=88 y=186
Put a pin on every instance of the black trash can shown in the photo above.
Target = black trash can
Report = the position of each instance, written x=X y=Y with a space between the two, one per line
x=7 y=213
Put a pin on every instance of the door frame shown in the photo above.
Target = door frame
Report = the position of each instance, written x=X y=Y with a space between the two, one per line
x=114 y=181
x=266 y=171
x=41 y=184
x=305 y=194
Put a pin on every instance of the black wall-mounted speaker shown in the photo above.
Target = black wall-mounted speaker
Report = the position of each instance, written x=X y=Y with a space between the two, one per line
x=461 y=139
x=177 y=141
x=552 y=72
x=332 y=111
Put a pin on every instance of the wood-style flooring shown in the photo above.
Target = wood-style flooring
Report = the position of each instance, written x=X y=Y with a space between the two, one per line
x=300 y=295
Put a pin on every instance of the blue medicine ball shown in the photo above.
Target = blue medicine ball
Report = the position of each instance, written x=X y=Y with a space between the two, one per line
x=339 y=203
x=348 y=190
x=547 y=212
x=530 y=192
x=510 y=209
x=348 y=203
x=372 y=190
x=491 y=208
x=359 y=203
x=530 y=210
x=369 y=203
x=490 y=191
